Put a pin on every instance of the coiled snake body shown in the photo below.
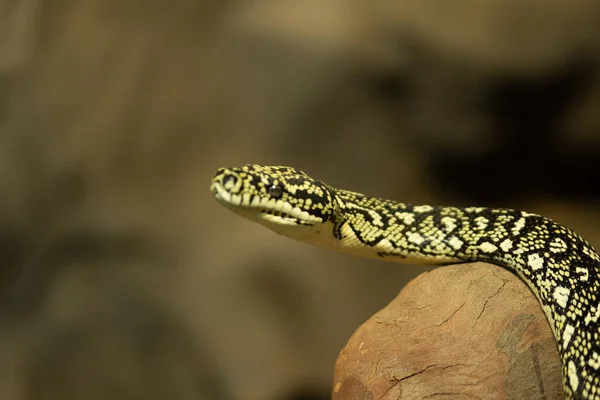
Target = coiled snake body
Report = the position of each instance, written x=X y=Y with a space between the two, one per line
x=561 y=268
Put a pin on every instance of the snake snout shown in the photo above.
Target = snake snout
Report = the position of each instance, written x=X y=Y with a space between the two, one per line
x=227 y=186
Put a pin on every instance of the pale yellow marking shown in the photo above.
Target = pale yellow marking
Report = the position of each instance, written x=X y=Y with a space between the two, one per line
x=506 y=245
x=561 y=295
x=376 y=218
x=482 y=222
x=591 y=253
x=374 y=214
x=415 y=238
x=455 y=242
x=475 y=209
x=584 y=273
x=520 y=224
x=420 y=209
x=407 y=218
x=449 y=224
x=592 y=318
x=440 y=246
x=572 y=374
x=487 y=247
x=594 y=361
x=535 y=261
x=558 y=246
x=567 y=334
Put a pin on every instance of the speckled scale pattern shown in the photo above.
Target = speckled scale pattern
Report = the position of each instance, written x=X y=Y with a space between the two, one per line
x=561 y=268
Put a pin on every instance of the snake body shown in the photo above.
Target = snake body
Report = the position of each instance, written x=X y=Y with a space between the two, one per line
x=560 y=267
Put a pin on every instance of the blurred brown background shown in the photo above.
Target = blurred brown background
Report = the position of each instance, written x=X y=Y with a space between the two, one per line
x=122 y=278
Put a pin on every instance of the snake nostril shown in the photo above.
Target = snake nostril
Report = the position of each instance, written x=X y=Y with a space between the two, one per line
x=229 y=181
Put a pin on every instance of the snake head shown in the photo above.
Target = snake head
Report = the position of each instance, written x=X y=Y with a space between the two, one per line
x=274 y=196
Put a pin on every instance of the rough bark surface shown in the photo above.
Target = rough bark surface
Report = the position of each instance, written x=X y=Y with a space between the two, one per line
x=470 y=331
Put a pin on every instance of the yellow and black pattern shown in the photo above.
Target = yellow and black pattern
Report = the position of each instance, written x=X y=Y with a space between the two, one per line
x=560 y=267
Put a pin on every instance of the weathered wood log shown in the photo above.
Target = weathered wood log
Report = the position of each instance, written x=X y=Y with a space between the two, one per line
x=471 y=331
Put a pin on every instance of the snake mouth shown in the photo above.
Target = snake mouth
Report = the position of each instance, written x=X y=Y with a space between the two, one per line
x=276 y=213
x=260 y=208
x=253 y=209
x=281 y=217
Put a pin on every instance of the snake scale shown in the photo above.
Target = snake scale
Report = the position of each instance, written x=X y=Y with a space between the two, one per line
x=561 y=268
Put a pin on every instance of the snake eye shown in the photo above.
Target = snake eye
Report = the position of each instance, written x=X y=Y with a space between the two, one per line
x=275 y=191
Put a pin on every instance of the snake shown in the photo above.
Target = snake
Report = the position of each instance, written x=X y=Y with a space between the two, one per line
x=560 y=267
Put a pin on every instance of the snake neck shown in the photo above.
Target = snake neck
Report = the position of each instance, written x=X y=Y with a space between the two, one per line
x=379 y=228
